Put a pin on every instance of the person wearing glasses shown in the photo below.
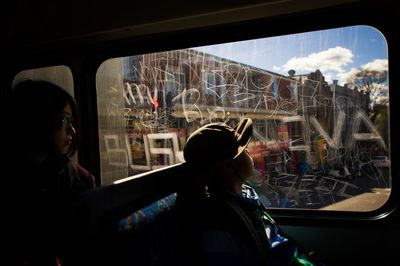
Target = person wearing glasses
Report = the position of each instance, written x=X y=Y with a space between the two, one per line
x=43 y=182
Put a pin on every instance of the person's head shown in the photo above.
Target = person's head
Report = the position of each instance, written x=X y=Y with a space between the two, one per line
x=43 y=118
x=218 y=151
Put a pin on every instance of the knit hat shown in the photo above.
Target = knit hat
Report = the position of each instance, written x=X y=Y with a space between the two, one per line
x=217 y=142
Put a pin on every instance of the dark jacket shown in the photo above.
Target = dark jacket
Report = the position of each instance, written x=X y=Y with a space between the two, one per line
x=38 y=203
x=236 y=229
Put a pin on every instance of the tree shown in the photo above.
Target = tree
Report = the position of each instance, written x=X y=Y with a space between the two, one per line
x=380 y=119
x=374 y=83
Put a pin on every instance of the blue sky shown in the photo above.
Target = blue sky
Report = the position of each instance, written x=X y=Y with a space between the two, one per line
x=336 y=52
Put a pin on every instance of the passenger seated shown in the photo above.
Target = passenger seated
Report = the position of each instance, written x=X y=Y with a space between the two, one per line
x=233 y=227
x=42 y=181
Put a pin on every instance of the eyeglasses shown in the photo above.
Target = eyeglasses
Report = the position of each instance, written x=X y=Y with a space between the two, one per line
x=67 y=122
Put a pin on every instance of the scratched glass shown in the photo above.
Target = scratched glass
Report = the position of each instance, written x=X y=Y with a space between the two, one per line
x=319 y=101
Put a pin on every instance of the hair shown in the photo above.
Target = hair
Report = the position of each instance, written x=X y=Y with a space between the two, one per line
x=33 y=111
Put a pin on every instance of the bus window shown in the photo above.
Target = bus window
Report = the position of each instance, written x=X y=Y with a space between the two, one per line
x=59 y=75
x=318 y=100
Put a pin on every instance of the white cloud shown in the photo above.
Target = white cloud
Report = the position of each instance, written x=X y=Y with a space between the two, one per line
x=376 y=65
x=276 y=68
x=333 y=59
x=347 y=76
x=329 y=77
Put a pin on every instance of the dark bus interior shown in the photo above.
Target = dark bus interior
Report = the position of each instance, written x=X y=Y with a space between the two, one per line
x=83 y=34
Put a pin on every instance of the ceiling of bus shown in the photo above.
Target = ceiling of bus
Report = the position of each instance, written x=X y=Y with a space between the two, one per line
x=33 y=23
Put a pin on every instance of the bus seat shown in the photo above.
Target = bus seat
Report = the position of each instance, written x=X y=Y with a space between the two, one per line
x=128 y=223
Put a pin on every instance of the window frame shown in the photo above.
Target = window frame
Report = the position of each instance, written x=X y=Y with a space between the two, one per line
x=193 y=38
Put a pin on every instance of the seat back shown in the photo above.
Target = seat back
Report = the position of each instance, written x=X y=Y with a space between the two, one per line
x=130 y=222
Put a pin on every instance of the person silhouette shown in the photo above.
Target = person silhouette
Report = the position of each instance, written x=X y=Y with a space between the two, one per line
x=232 y=226
x=43 y=180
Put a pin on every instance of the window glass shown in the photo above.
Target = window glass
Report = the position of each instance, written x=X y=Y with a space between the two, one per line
x=59 y=75
x=318 y=100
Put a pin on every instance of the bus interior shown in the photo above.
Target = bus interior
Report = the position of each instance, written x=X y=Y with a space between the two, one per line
x=312 y=75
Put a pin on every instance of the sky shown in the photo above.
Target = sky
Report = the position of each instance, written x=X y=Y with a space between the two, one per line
x=337 y=53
